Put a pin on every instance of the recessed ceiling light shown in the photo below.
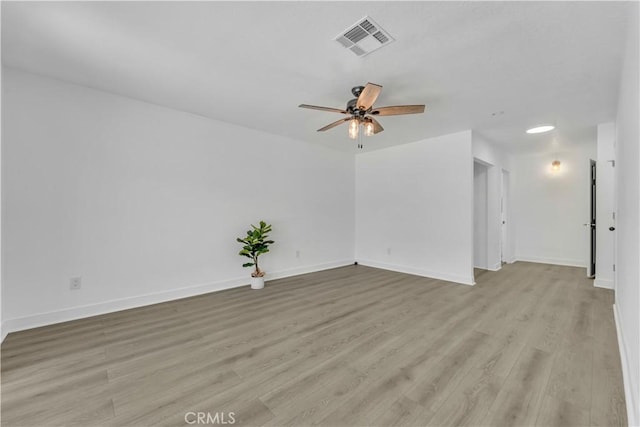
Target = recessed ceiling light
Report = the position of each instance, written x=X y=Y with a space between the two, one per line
x=540 y=129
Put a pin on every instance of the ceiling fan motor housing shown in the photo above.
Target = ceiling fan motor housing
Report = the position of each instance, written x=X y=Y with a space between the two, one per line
x=352 y=108
x=352 y=105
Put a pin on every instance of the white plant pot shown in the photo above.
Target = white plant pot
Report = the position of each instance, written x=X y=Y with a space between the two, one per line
x=257 y=282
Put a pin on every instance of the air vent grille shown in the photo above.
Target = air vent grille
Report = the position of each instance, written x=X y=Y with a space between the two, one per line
x=368 y=26
x=381 y=37
x=356 y=34
x=364 y=37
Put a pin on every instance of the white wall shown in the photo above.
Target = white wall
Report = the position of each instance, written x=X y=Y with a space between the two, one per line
x=628 y=220
x=2 y=329
x=605 y=206
x=551 y=208
x=414 y=208
x=480 y=217
x=144 y=202
x=496 y=161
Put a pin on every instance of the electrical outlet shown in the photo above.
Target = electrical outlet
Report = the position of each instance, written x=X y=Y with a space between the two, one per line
x=388 y=251
x=297 y=254
x=75 y=283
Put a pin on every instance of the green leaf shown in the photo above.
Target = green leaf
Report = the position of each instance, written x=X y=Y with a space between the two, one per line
x=255 y=243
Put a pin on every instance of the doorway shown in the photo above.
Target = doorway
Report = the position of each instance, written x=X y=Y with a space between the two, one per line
x=591 y=269
x=480 y=215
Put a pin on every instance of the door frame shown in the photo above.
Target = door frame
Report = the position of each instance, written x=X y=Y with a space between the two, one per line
x=504 y=217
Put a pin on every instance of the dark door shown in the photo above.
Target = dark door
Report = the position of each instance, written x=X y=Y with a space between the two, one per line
x=592 y=224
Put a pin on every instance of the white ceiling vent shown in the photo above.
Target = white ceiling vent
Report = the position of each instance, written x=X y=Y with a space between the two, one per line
x=364 y=37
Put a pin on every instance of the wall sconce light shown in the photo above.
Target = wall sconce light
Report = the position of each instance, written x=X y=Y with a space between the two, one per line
x=555 y=166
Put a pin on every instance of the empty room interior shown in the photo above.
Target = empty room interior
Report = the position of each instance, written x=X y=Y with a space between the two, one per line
x=320 y=213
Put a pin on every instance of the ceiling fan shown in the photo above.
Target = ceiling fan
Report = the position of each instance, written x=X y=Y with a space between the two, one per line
x=361 y=112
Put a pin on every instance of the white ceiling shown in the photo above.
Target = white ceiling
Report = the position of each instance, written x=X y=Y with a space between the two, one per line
x=252 y=63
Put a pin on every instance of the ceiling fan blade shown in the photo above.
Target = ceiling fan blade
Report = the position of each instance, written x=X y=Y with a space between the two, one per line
x=377 y=127
x=398 y=110
x=315 y=107
x=368 y=96
x=334 y=124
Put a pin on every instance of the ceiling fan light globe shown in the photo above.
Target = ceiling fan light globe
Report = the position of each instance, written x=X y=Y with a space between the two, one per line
x=353 y=128
x=368 y=129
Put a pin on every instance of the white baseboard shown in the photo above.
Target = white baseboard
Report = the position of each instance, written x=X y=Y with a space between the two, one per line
x=3 y=332
x=456 y=278
x=629 y=388
x=554 y=261
x=495 y=267
x=603 y=283
x=74 y=313
x=492 y=268
x=306 y=269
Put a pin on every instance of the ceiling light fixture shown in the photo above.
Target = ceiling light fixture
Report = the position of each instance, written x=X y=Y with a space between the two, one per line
x=368 y=128
x=555 y=165
x=541 y=129
x=362 y=112
x=354 y=128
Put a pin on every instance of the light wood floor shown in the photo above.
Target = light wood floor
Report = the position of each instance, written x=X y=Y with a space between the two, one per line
x=532 y=344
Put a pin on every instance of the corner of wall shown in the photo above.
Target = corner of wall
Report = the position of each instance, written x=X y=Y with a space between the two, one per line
x=445 y=276
x=496 y=267
x=631 y=398
x=603 y=283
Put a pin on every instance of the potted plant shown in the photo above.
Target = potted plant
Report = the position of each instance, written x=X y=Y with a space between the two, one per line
x=256 y=244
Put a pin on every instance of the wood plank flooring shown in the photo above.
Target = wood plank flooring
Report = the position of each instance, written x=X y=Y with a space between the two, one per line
x=532 y=344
